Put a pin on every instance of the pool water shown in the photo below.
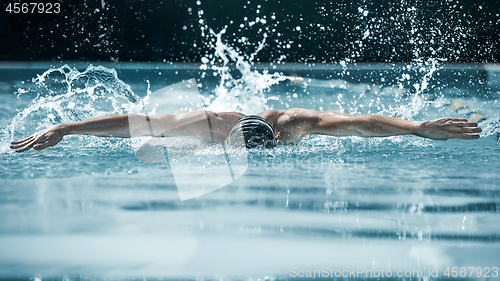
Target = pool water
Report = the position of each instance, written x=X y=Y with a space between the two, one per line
x=88 y=208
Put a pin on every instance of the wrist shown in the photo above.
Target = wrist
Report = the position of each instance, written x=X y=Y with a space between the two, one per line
x=419 y=128
x=66 y=129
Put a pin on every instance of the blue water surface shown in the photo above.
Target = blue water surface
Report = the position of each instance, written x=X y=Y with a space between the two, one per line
x=89 y=206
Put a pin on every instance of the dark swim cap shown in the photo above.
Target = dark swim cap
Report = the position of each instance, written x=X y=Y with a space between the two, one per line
x=255 y=132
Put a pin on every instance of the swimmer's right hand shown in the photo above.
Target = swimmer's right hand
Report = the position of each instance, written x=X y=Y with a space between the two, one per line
x=40 y=140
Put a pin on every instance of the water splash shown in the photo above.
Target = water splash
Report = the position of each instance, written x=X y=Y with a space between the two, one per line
x=245 y=94
x=419 y=98
x=66 y=95
x=244 y=88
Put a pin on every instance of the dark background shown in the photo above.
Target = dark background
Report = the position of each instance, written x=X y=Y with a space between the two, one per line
x=170 y=30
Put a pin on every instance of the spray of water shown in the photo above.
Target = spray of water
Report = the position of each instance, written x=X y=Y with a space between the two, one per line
x=244 y=94
x=64 y=95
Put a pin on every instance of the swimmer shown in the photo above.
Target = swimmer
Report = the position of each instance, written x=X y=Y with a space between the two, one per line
x=266 y=129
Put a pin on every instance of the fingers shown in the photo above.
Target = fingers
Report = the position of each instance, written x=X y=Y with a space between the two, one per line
x=28 y=143
x=471 y=133
x=21 y=141
x=466 y=124
x=475 y=130
x=469 y=130
x=461 y=128
x=459 y=120
x=471 y=136
x=457 y=124
x=23 y=147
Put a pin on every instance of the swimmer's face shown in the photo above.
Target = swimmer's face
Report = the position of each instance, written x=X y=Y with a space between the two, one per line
x=239 y=140
x=260 y=142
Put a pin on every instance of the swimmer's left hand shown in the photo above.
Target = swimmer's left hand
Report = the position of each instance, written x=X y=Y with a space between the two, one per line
x=449 y=128
x=40 y=140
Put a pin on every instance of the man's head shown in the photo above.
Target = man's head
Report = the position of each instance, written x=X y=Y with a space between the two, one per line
x=254 y=131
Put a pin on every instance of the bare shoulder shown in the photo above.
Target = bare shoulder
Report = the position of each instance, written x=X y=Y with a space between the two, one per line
x=223 y=122
x=227 y=119
x=229 y=115
x=270 y=114
x=301 y=113
x=292 y=124
x=289 y=115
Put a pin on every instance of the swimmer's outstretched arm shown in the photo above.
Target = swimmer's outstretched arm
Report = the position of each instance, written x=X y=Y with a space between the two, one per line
x=192 y=124
x=340 y=124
